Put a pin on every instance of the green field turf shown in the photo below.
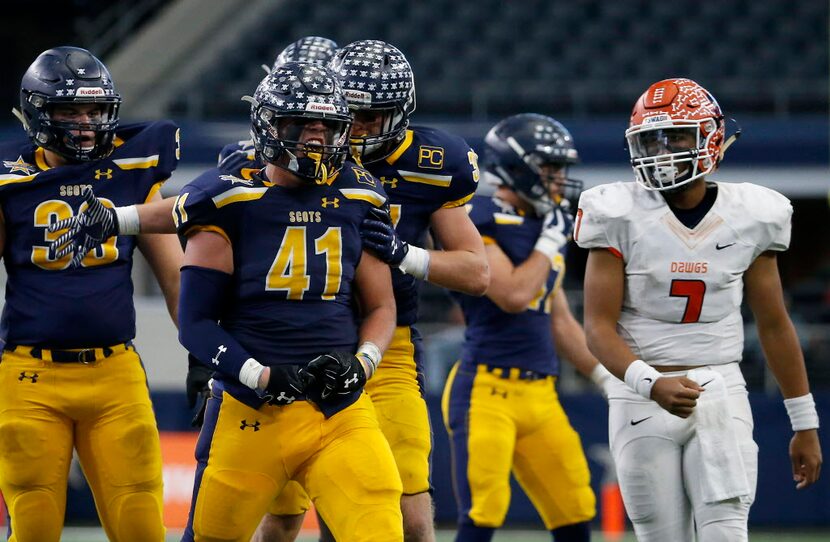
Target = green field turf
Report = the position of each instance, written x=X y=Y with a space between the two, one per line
x=75 y=534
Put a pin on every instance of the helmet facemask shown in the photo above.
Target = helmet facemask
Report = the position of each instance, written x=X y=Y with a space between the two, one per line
x=69 y=138
x=310 y=147
x=379 y=144
x=667 y=155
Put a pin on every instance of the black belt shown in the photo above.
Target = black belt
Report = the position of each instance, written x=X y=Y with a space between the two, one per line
x=515 y=373
x=81 y=355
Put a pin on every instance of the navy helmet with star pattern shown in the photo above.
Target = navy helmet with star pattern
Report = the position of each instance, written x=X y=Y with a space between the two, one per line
x=378 y=79
x=69 y=76
x=517 y=148
x=314 y=49
x=300 y=120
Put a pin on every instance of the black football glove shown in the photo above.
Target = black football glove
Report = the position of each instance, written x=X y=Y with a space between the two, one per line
x=286 y=384
x=379 y=236
x=198 y=391
x=336 y=374
x=86 y=230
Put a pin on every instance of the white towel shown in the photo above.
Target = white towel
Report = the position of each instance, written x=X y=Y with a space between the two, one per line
x=723 y=475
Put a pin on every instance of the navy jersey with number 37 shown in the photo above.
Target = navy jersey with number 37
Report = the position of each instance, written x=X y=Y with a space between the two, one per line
x=48 y=303
x=493 y=336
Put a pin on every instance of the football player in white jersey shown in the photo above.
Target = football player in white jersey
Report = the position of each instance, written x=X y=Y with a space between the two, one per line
x=671 y=256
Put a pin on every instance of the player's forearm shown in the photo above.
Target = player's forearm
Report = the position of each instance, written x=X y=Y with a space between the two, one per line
x=784 y=357
x=459 y=270
x=377 y=326
x=571 y=343
x=157 y=216
x=609 y=348
x=514 y=291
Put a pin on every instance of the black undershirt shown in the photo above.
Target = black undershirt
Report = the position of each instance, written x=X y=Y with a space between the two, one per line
x=692 y=217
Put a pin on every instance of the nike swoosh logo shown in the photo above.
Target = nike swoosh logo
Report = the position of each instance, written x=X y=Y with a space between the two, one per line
x=704 y=384
x=640 y=421
x=648 y=379
x=721 y=247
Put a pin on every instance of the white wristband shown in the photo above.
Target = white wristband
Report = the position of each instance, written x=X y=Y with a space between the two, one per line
x=416 y=263
x=250 y=372
x=370 y=353
x=802 y=412
x=128 y=221
x=550 y=247
x=640 y=377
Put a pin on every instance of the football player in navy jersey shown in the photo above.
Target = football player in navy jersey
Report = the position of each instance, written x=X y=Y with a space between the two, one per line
x=274 y=281
x=500 y=402
x=70 y=376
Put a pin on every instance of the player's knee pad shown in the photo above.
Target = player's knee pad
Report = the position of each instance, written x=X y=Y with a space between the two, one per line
x=24 y=453
x=137 y=517
x=37 y=516
x=131 y=455
x=725 y=521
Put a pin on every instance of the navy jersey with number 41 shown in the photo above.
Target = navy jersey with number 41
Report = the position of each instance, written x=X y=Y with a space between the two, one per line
x=498 y=338
x=295 y=252
x=48 y=303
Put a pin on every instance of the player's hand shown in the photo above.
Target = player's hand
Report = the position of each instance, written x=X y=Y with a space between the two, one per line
x=805 y=455
x=285 y=384
x=677 y=394
x=556 y=228
x=88 y=229
x=379 y=236
x=336 y=374
x=198 y=389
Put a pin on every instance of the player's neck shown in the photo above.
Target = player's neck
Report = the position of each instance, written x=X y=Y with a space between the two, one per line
x=689 y=196
x=512 y=198
x=54 y=159
x=281 y=177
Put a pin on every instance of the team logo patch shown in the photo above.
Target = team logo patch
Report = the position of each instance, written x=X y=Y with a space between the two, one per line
x=103 y=174
x=244 y=424
x=430 y=157
x=333 y=202
x=364 y=177
x=19 y=165
x=24 y=375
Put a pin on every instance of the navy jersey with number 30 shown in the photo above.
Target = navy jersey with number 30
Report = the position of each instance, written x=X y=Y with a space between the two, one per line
x=47 y=302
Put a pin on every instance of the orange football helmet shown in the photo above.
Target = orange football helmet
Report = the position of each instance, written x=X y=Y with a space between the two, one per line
x=675 y=134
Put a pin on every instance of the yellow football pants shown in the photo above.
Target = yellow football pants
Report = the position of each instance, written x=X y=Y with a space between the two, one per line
x=102 y=409
x=247 y=456
x=498 y=423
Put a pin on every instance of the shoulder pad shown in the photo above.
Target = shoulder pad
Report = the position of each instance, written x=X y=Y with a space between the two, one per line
x=770 y=209
x=599 y=207
x=246 y=146
x=241 y=163
x=148 y=145
x=482 y=210
x=450 y=158
x=200 y=201
x=356 y=183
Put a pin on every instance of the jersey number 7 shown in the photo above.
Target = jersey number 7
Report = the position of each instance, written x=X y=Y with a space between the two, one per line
x=693 y=291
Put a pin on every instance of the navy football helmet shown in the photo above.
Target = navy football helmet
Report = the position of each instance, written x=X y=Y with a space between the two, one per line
x=377 y=78
x=516 y=150
x=297 y=98
x=314 y=49
x=69 y=76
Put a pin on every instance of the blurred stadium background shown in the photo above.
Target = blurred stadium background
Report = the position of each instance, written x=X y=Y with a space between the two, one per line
x=582 y=61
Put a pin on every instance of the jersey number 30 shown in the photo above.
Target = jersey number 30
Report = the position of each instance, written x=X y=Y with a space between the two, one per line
x=54 y=210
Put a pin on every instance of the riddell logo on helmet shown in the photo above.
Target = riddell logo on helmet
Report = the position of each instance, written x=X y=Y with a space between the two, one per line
x=656 y=118
x=90 y=91
x=358 y=96
x=322 y=108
